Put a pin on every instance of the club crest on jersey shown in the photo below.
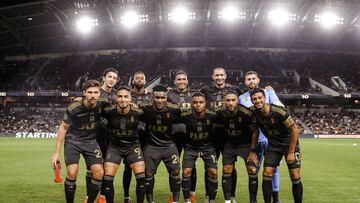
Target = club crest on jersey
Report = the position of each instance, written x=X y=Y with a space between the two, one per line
x=158 y=121
x=122 y=123
x=208 y=122
x=272 y=120
x=167 y=115
x=92 y=118
x=132 y=119
x=231 y=125
x=240 y=120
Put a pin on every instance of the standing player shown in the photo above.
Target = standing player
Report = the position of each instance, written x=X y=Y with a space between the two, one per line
x=282 y=134
x=214 y=98
x=199 y=123
x=181 y=96
x=124 y=144
x=78 y=129
x=138 y=92
x=252 y=81
x=237 y=120
x=159 y=142
x=107 y=91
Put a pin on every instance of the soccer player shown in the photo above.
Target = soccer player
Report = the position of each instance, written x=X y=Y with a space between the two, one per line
x=199 y=123
x=282 y=134
x=124 y=144
x=78 y=129
x=139 y=95
x=181 y=95
x=252 y=81
x=138 y=92
x=159 y=115
x=237 y=120
x=214 y=98
x=107 y=91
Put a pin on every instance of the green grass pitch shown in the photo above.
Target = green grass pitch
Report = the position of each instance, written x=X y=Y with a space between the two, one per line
x=330 y=173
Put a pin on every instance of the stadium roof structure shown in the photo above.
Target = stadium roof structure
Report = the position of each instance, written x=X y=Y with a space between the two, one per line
x=49 y=26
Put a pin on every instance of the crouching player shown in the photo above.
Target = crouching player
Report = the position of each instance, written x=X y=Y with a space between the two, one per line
x=281 y=131
x=78 y=129
x=124 y=144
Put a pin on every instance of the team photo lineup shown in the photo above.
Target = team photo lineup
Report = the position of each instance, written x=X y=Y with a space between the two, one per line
x=177 y=125
x=180 y=101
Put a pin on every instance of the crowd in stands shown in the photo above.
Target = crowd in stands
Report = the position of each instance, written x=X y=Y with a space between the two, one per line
x=29 y=121
x=62 y=73
x=308 y=121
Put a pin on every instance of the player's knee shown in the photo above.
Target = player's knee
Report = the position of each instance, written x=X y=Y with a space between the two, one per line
x=98 y=172
x=186 y=172
x=294 y=174
x=212 y=172
x=174 y=172
x=72 y=173
x=251 y=170
x=227 y=169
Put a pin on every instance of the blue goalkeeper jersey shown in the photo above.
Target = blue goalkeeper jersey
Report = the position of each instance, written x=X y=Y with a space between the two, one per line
x=271 y=98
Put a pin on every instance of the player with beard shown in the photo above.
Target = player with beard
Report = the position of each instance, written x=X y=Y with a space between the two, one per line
x=181 y=95
x=79 y=129
x=138 y=92
x=107 y=91
x=199 y=123
x=252 y=81
x=124 y=144
x=159 y=115
x=282 y=134
x=237 y=120
x=214 y=98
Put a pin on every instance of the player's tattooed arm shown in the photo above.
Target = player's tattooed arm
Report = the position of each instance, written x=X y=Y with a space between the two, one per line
x=59 y=141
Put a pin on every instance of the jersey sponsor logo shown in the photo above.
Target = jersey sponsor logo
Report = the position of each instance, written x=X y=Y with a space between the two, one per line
x=158 y=128
x=198 y=136
x=121 y=133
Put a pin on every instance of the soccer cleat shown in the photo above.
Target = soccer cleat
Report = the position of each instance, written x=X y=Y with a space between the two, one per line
x=192 y=197
x=86 y=199
x=171 y=198
x=233 y=200
x=101 y=199
x=127 y=200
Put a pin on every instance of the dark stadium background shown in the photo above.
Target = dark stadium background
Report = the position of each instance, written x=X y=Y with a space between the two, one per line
x=315 y=70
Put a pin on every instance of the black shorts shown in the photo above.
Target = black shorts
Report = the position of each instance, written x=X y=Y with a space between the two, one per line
x=274 y=155
x=154 y=155
x=207 y=154
x=131 y=154
x=231 y=152
x=90 y=151
x=179 y=133
x=102 y=139
x=219 y=132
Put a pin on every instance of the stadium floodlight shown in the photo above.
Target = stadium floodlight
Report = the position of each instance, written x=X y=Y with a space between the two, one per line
x=328 y=19
x=84 y=24
x=229 y=14
x=179 y=15
x=130 y=19
x=279 y=16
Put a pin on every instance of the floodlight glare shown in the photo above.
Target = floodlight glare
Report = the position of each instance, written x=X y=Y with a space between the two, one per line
x=279 y=17
x=229 y=14
x=84 y=24
x=130 y=19
x=179 y=15
x=328 y=19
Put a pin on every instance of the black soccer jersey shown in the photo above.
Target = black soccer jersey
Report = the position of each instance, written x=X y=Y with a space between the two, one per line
x=139 y=99
x=214 y=96
x=183 y=99
x=158 y=124
x=275 y=125
x=122 y=128
x=110 y=96
x=198 y=130
x=237 y=124
x=83 y=121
